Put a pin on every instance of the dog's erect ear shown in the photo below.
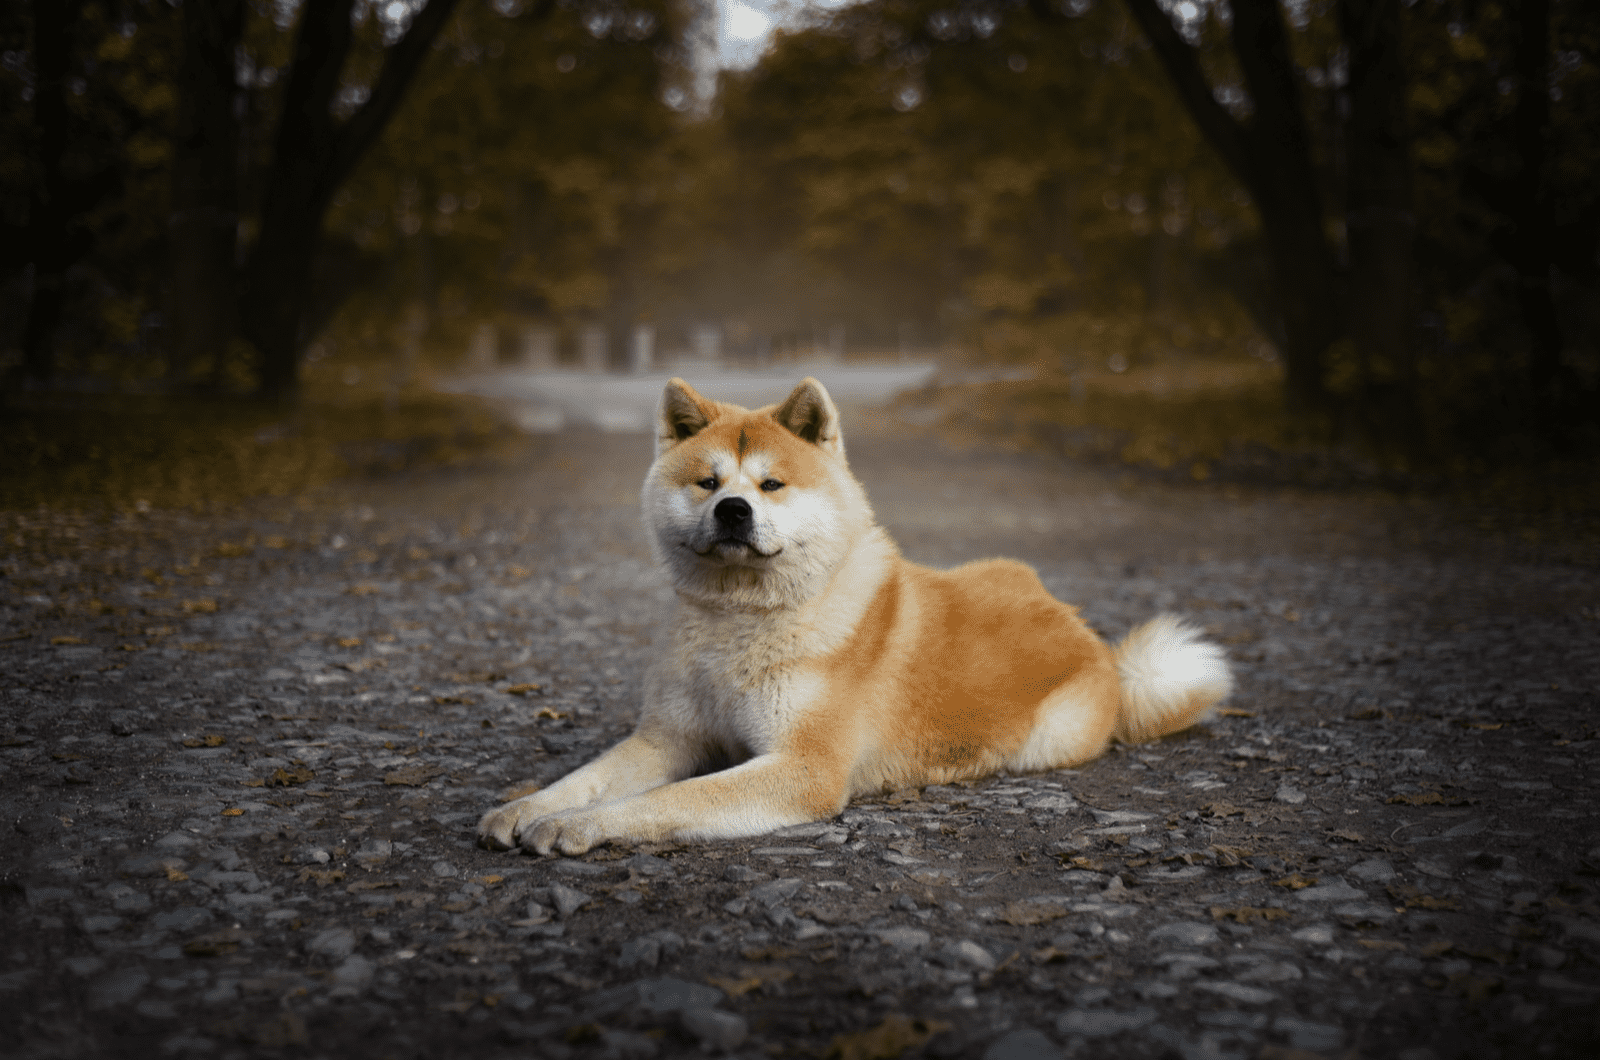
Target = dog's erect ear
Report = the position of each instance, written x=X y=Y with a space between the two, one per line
x=683 y=415
x=808 y=413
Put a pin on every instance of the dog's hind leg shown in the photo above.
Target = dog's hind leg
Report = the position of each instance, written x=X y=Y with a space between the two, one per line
x=648 y=759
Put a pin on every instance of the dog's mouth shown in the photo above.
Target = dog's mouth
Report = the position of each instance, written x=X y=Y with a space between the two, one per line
x=726 y=548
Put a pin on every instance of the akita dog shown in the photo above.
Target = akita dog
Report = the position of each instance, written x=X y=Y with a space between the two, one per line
x=809 y=662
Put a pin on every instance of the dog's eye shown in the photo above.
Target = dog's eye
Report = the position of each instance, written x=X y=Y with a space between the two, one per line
x=771 y=485
x=708 y=483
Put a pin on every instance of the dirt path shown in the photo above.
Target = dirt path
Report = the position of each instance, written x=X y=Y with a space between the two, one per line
x=244 y=756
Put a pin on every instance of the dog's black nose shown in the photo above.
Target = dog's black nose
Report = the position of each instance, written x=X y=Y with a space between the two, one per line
x=733 y=512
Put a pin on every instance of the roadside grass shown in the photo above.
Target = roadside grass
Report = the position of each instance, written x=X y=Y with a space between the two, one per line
x=1220 y=419
x=132 y=452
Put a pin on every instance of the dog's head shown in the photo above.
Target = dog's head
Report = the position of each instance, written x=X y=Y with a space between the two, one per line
x=751 y=508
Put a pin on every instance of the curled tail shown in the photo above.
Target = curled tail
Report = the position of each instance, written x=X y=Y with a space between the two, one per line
x=1170 y=679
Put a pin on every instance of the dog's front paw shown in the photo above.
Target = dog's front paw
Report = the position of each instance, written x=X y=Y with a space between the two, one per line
x=571 y=833
x=501 y=827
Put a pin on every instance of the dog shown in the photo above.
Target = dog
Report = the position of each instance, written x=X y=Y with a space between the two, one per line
x=809 y=662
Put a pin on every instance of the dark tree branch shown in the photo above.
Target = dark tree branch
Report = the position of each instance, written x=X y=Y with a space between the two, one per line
x=1226 y=136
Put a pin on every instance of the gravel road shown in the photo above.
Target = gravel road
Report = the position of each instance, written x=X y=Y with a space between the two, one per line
x=244 y=754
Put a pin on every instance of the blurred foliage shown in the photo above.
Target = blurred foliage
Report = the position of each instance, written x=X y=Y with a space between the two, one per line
x=959 y=175
x=123 y=452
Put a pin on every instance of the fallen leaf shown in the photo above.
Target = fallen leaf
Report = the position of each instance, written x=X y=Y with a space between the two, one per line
x=443 y=701
x=361 y=666
x=1294 y=881
x=321 y=877
x=232 y=550
x=1382 y=944
x=1424 y=798
x=518 y=572
x=66 y=641
x=214 y=943
x=887 y=1040
x=176 y=876
x=205 y=741
x=204 y=605
x=1486 y=726
x=1022 y=914
x=1248 y=914
x=233 y=811
x=255 y=782
x=370 y=885
x=363 y=589
x=1349 y=835
x=1369 y=714
x=551 y=713
x=526 y=688
x=1051 y=955
x=348 y=642
x=1220 y=809
x=288 y=778
x=412 y=776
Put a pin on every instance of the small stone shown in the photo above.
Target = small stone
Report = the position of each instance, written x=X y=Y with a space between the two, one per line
x=118 y=988
x=674 y=995
x=83 y=966
x=1026 y=1044
x=628 y=1045
x=1230 y=1017
x=177 y=841
x=1185 y=933
x=903 y=938
x=1101 y=1023
x=1107 y=817
x=184 y=918
x=970 y=953
x=1272 y=972
x=334 y=943
x=1375 y=870
x=742 y=874
x=714 y=1028
x=1336 y=891
x=1248 y=995
x=1315 y=934
x=775 y=891
x=649 y=865
x=567 y=900
x=353 y=976
x=99 y=925
x=374 y=852
x=642 y=952
x=443 y=869
x=1313 y=1037
x=310 y=856
x=1289 y=795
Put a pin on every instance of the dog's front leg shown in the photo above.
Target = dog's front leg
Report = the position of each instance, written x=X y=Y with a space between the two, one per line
x=645 y=760
x=772 y=791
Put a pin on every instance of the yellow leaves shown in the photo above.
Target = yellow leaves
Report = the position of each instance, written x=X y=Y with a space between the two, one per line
x=288 y=778
x=1294 y=881
x=348 y=642
x=62 y=642
x=232 y=549
x=752 y=980
x=233 y=811
x=525 y=688
x=205 y=741
x=203 y=605
x=1248 y=914
x=887 y=1040
x=1023 y=914
x=321 y=877
x=363 y=589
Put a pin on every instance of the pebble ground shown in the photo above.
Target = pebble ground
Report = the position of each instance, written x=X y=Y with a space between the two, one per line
x=244 y=754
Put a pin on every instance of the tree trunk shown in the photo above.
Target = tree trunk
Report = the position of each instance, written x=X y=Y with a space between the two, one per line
x=53 y=241
x=313 y=155
x=1380 y=224
x=1534 y=240
x=1271 y=157
x=203 y=224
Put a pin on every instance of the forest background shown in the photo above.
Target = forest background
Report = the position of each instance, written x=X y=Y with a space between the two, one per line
x=1348 y=223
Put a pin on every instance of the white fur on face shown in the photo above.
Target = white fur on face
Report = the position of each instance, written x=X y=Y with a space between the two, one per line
x=801 y=534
